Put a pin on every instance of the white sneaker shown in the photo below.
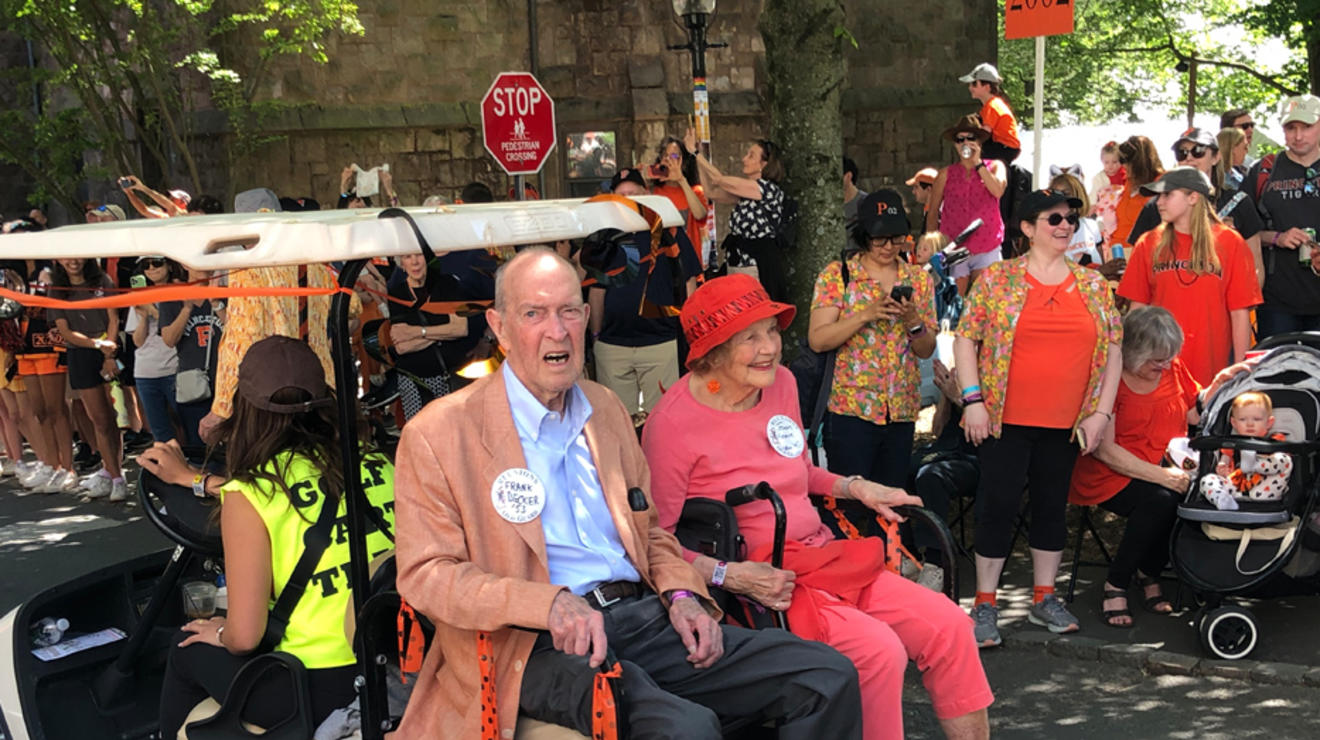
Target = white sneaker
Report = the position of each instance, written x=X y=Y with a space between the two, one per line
x=90 y=481
x=55 y=483
x=98 y=486
x=8 y=467
x=119 y=490
x=65 y=481
x=37 y=476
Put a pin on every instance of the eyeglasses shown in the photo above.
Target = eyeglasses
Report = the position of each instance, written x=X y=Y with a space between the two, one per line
x=1195 y=152
x=884 y=241
x=965 y=139
x=1054 y=219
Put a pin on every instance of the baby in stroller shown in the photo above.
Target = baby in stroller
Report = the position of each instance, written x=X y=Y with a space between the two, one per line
x=1244 y=473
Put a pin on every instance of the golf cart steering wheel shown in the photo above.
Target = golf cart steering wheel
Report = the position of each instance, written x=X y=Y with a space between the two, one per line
x=184 y=518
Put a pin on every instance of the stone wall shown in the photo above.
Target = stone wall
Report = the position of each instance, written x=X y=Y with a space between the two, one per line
x=407 y=92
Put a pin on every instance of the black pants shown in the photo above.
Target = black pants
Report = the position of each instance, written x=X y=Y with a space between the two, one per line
x=769 y=264
x=807 y=688
x=877 y=452
x=938 y=484
x=1151 y=511
x=1034 y=459
x=197 y=672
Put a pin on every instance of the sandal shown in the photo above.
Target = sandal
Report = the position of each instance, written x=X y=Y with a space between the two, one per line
x=1109 y=615
x=1149 y=603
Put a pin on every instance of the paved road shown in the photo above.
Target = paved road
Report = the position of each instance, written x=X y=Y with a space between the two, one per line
x=45 y=539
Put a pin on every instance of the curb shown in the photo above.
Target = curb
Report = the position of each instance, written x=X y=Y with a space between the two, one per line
x=1163 y=662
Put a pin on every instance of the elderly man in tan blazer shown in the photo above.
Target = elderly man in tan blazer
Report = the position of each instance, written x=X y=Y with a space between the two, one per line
x=522 y=513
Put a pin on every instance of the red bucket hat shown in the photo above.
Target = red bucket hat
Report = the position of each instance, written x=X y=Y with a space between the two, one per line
x=725 y=306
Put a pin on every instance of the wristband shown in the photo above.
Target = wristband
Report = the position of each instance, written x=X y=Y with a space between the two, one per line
x=979 y=165
x=199 y=484
x=969 y=390
x=973 y=398
x=917 y=330
x=1275 y=242
x=967 y=402
x=721 y=570
x=220 y=634
x=1106 y=414
x=681 y=593
x=847 y=483
x=423 y=332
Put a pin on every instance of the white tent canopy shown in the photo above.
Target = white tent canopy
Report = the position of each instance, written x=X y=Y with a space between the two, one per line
x=231 y=241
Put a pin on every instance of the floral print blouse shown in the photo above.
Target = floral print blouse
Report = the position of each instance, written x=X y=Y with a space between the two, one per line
x=876 y=375
x=990 y=318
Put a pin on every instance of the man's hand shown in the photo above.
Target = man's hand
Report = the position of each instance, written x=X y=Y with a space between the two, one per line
x=761 y=581
x=700 y=633
x=577 y=629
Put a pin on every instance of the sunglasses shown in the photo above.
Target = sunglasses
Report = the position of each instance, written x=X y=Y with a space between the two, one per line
x=1249 y=125
x=925 y=185
x=1054 y=219
x=1195 y=152
x=154 y=262
x=965 y=139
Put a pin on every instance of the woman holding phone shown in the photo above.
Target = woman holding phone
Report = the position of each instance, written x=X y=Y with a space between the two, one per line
x=1038 y=360
x=880 y=316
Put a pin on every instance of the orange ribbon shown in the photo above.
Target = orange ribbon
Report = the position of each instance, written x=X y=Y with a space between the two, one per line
x=172 y=292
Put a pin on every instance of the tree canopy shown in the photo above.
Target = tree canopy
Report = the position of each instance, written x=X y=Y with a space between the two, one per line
x=126 y=77
x=1131 y=55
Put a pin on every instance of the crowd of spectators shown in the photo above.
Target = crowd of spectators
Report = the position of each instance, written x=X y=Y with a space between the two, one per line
x=1130 y=304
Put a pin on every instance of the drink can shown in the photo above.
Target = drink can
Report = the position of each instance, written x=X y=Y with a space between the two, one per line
x=1304 y=252
x=1116 y=252
x=966 y=152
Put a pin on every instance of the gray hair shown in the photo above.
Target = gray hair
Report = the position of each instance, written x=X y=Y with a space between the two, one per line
x=1147 y=332
x=530 y=253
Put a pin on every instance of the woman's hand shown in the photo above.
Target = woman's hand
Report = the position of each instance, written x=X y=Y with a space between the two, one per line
x=108 y=347
x=108 y=368
x=690 y=140
x=976 y=423
x=880 y=498
x=1113 y=269
x=205 y=631
x=907 y=312
x=134 y=182
x=975 y=156
x=1092 y=427
x=165 y=460
x=1176 y=480
x=945 y=381
x=767 y=584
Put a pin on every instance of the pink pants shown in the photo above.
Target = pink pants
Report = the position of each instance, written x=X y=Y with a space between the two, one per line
x=901 y=621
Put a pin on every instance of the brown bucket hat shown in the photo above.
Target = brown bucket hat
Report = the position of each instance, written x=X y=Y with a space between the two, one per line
x=968 y=124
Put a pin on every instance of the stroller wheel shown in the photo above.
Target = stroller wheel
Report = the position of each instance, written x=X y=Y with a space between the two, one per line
x=1229 y=632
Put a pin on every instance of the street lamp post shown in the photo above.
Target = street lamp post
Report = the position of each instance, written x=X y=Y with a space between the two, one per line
x=696 y=17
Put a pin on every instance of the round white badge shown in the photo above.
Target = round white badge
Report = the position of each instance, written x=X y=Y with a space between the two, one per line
x=518 y=495
x=785 y=436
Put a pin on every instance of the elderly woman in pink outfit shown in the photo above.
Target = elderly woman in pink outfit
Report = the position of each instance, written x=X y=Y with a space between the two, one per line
x=734 y=420
x=965 y=191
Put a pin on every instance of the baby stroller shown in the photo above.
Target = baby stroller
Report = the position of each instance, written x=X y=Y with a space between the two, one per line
x=1264 y=548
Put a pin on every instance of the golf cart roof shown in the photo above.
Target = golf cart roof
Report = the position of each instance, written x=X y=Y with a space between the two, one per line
x=237 y=240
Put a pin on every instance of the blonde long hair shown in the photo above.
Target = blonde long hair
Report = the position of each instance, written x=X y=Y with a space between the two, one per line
x=1204 y=261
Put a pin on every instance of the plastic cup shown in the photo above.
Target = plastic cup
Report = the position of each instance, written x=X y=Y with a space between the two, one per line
x=199 y=599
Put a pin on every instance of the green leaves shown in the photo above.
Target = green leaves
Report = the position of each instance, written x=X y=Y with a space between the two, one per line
x=1123 y=56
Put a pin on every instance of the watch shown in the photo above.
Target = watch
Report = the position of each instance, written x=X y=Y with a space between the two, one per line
x=979 y=165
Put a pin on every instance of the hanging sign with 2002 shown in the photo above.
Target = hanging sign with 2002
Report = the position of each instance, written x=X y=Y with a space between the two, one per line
x=518 y=123
x=1024 y=19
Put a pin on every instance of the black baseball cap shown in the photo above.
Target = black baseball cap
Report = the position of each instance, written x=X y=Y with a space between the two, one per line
x=1180 y=178
x=1197 y=136
x=627 y=174
x=882 y=214
x=1039 y=201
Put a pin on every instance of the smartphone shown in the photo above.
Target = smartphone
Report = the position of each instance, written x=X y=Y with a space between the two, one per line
x=901 y=293
x=137 y=281
x=125 y=183
x=1081 y=439
x=657 y=171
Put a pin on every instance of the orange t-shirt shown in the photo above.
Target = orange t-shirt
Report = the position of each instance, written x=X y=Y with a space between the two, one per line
x=1051 y=361
x=1143 y=425
x=999 y=118
x=693 y=228
x=1201 y=304
x=1130 y=203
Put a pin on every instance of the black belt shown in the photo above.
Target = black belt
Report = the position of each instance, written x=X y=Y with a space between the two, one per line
x=608 y=594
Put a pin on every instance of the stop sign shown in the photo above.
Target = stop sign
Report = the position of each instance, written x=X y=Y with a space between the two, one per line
x=518 y=123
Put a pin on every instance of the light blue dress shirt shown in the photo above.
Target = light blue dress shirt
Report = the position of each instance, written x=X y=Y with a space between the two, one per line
x=582 y=544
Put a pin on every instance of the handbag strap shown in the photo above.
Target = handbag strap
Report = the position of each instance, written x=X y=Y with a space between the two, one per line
x=827 y=378
x=1284 y=542
x=315 y=540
